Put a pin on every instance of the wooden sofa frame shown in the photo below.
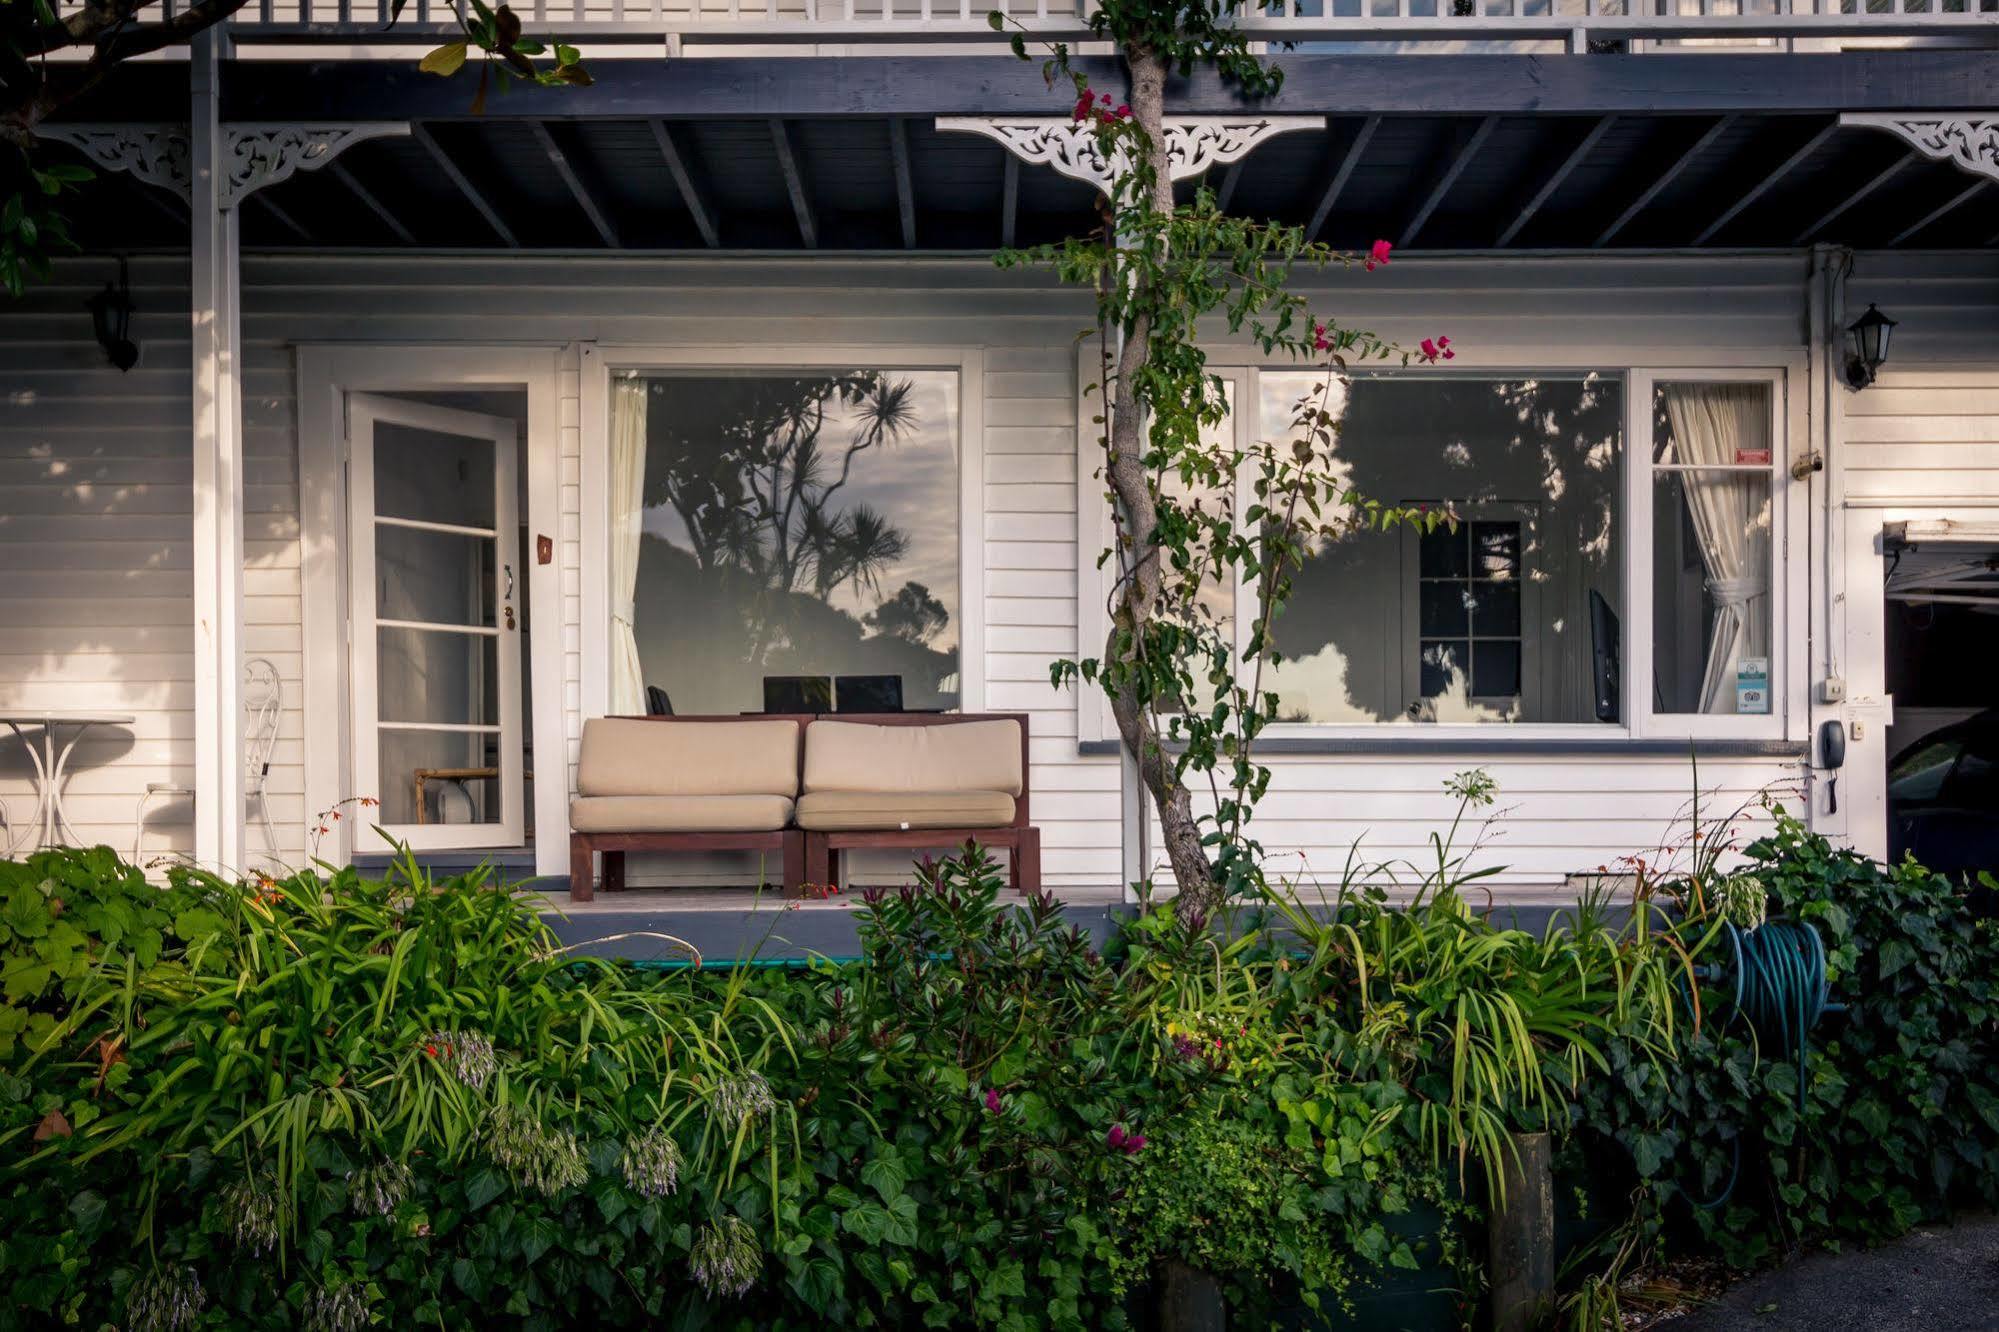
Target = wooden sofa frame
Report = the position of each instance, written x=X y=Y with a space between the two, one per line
x=1021 y=838
x=813 y=857
x=788 y=842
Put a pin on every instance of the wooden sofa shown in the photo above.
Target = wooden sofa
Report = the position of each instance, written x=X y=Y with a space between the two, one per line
x=917 y=780
x=685 y=784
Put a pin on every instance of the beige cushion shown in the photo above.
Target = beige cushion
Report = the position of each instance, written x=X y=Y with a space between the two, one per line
x=720 y=813
x=624 y=757
x=871 y=811
x=981 y=756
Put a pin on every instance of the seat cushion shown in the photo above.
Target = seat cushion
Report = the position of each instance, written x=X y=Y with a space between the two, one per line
x=716 y=813
x=664 y=757
x=917 y=760
x=874 y=811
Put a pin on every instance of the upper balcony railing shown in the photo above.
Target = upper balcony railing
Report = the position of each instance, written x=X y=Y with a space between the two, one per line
x=775 y=26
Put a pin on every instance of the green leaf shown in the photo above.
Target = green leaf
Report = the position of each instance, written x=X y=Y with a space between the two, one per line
x=886 y=1175
x=483 y=1187
x=445 y=61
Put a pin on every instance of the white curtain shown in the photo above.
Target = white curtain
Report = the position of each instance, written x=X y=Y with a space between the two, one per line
x=627 y=485
x=1718 y=425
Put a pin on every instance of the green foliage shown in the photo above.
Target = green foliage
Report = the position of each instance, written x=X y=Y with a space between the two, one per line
x=32 y=226
x=1900 y=1117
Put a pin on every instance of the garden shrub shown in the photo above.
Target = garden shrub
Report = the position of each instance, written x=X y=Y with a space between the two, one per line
x=1900 y=1117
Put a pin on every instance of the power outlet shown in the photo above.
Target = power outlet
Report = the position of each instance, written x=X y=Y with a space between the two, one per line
x=1832 y=690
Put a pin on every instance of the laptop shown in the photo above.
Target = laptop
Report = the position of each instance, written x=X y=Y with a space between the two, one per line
x=868 y=693
x=798 y=693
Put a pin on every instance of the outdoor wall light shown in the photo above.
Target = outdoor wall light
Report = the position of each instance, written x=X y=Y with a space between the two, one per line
x=1866 y=346
x=111 y=317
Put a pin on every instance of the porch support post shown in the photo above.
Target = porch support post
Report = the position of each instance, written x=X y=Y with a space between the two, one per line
x=214 y=299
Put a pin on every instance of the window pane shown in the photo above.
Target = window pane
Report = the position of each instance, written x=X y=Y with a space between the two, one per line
x=407 y=755
x=1711 y=556
x=438 y=677
x=431 y=476
x=1379 y=629
x=796 y=525
x=435 y=577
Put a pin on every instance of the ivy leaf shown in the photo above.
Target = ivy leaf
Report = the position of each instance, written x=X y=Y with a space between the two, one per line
x=483 y=1187
x=886 y=1175
x=537 y=1238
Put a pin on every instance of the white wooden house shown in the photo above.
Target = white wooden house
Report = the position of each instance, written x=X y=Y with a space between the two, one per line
x=401 y=366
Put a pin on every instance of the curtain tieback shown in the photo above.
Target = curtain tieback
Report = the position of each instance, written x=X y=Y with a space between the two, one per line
x=1736 y=592
x=622 y=612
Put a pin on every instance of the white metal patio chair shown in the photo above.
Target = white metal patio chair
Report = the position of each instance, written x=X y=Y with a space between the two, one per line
x=263 y=703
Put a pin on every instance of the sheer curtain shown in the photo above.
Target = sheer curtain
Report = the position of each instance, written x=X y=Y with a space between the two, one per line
x=1713 y=426
x=627 y=487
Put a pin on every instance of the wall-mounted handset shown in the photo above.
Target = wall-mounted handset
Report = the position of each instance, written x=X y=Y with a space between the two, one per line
x=1832 y=757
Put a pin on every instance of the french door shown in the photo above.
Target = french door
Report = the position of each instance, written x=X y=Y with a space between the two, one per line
x=434 y=618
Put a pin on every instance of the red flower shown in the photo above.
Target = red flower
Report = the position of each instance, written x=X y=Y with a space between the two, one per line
x=992 y=1100
x=1377 y=254
x=430 y=1050
x=1437 y=349
x=1319 y=342
x=1116 y=1137
x=1082 y=111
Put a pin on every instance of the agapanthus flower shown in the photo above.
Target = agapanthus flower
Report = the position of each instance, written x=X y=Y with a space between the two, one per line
x=166 y=1299
x=341 y=1308
x=252 y=1211
x=725 y=1257
x=466 y=1055
x=538 y=1156
x=741 y=1097
x=375 y=1190
x=651 y=1164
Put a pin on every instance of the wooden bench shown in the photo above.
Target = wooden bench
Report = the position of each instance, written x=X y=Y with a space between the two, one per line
x=918 y=781
x=685 y=784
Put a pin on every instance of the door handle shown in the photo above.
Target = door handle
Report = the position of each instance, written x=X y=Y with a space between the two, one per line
x=508 y=595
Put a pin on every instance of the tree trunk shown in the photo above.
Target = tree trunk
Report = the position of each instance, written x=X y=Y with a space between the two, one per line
x=1189 y=1300
x=1125 y=471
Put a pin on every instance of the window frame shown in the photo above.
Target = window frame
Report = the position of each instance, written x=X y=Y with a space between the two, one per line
x=1637 y=376
x=600 y=362
x=1516 y=513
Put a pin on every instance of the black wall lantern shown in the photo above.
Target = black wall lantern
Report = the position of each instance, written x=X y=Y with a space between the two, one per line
x=1867 y=346
x=111 y=316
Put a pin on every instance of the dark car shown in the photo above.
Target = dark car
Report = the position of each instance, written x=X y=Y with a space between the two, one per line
x=1943 y=798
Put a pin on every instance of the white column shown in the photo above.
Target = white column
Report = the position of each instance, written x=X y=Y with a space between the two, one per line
x=218 y=475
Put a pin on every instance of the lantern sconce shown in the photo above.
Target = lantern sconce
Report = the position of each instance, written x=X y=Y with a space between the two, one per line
x=1867 y=346
x=111 y=318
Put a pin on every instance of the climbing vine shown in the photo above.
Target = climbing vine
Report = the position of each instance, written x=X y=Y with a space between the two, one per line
x=1194 y=513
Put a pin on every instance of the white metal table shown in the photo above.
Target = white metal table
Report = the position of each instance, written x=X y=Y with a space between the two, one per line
x=51 y=758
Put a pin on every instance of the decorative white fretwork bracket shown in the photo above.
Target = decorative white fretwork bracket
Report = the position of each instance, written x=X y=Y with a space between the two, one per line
x=1193 y=143
x=255 y=155
x=1968 y=140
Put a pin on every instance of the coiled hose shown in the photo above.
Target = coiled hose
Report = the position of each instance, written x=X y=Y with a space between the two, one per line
x=1779 y=987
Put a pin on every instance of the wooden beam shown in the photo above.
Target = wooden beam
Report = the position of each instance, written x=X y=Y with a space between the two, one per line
x=1666 y=177
x=375 y=206
x=1939 y=211
x=1009 y=201
x=691 y=193
x=1554 y=181
x=1893 y=169
x=567 y=173
x=1341 y=176
x=1763 y=185
x=457 y=177
x=1448 y=179
x=1230 y=178
x=905 y=189
x=289 y=223
x=794 y=184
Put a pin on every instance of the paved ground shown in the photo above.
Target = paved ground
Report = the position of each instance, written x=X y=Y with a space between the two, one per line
x=1939 y=1279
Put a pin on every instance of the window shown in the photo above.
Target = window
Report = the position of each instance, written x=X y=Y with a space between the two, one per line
x=1713 y=519
x=800 y=527
x=1510 y=618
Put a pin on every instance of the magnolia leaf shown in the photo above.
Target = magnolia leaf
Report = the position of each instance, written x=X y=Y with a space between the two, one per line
x=445 y=61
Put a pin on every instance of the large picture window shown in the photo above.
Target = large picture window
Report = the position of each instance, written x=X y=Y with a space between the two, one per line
x=787 y=532
x=1511 y=617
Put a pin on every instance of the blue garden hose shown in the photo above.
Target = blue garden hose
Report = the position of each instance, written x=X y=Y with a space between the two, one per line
x=1780 y=989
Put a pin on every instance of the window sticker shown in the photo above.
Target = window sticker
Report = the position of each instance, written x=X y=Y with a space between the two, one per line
x=1752 y=685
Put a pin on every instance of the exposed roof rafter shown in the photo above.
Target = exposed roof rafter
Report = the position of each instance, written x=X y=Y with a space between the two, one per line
x=1341 y=176
x=905 y=189
x=285 y=219
x=1447 y=179
x=1009 y=201
x=1873 y=183
x=457 y=176
x=1762 y=186
x=680 y=167
x=1937 y=213
x=375 y=206
x=794 y=184
x=1666 y=177
x=559 y=160
x=1554 y=181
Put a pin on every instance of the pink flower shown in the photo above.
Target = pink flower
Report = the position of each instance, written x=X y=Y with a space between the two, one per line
x=992 y=1100
x=1128 y=1143
x=1319 y=342
x=1377 y=254
x=1083 y=104
x=1116 y=1136
x=1437 y=349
